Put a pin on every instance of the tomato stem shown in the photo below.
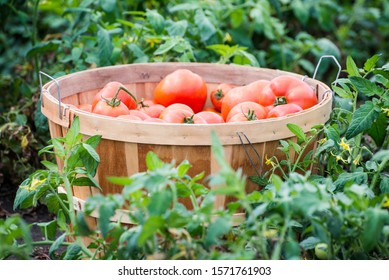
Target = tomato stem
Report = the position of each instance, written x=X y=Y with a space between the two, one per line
x=219 y=94
x=189 y=120
x=280 y=101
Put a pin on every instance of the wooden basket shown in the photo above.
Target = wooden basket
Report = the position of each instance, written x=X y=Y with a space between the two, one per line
x=125 y=143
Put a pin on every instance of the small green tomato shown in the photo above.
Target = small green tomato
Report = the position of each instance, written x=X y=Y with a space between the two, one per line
x=321 y=250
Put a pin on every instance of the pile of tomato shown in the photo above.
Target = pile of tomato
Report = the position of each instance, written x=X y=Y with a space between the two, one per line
x=181 y=97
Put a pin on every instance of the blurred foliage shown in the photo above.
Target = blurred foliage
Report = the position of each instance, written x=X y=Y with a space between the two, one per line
x=65 y=36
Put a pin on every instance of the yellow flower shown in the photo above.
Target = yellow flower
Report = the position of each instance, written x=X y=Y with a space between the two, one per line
x=153 y=41
x=386 y=111
x=357 y=160
x=322 y=141
x=344 y=145
x=227 y=38
x=268 y=161
x=386 y=202
x=35 y=183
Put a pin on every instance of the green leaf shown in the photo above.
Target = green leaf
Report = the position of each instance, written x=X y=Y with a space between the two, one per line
x=108 y=5
x=153 y=161
x=183 y=7
x=23 y=198
x=73 y=133
x=375 y=220
x=246 y=58
x=160 y=202
x=237 y=17
x=371 y=62
x=363 y=119
x=52 y=202
x=325 y=147
x=83 y=181
x=73 y=252
x=342 y=92
x=298 y=131
x=106 y=211
x=177 y=28
x=48 y=229
x=169 y=44
x=216 y=230
x=384 y=184
x=56 y=245
x=301 y=11
x=351 y=67
x=205 y=26
x=91 y=151
x=150 y=227
x=43 y=47
x=58 y=148
x=156 y=20
x=82 y=226
x=309 y=243
x=367 y=87
x=351 y=178
x=50 y=166
x=93 y=141
x=105 y=47
x=378 y=129
x=183 y=168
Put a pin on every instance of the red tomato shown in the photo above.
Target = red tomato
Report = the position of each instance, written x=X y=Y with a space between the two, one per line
x=210 y=117
x=217 y=95
x=283 y=110
x=112 y=108
x=156 y=120
x=140 y=114
x=182 y=86
x=176 y=106
x=241 y=94
x=294 y=91
x=154 y=110
x=212 y=110
x=85 y=107
x=117 y=89
x=251 y=110
x=145 y=103
x=129 y=117
x=182 y=116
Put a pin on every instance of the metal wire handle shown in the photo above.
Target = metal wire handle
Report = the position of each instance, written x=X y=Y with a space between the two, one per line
x=59 y=91
x=260 y=171
x=335 y=60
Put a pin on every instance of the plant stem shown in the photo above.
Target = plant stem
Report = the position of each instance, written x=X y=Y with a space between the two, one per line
x=277 y=250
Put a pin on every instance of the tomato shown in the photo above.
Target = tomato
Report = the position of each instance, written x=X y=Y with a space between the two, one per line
x=154 y=110
x=241 y=94
x=293 y=90
x=85 y=107
x=117 y=89
x=209 y=109
x=145 y=103
x=182 y=86
x=129 y=117
x=140 y=114
x=284 y=110
x=210 y=117
x=156 y=120
x=217 y=95
x=249 y=109
x=176 y=106
x=112 y=108
x=182 y=116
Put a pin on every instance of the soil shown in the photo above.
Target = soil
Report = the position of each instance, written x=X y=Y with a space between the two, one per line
x=30 y=215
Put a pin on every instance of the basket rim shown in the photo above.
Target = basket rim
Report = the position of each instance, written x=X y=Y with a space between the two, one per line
x=180 y=134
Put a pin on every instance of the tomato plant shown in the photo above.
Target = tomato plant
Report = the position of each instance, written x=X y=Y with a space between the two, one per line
x=182 y=86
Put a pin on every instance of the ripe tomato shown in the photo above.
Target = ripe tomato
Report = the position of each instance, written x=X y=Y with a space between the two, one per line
x=209 y=109
x=145 y=103
x=294 y=91
x=85 y=107
x=217 y=95
x=156 y=120
x=176 y=106
x=112 y=108
x=241 y=94
x=182 y=86
x=283 y=110
x=139 y=114
x=249 y=109
x=117 y=89
x=129 y=117
x=154 y=110
x=182 y=116
x=210 y=117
